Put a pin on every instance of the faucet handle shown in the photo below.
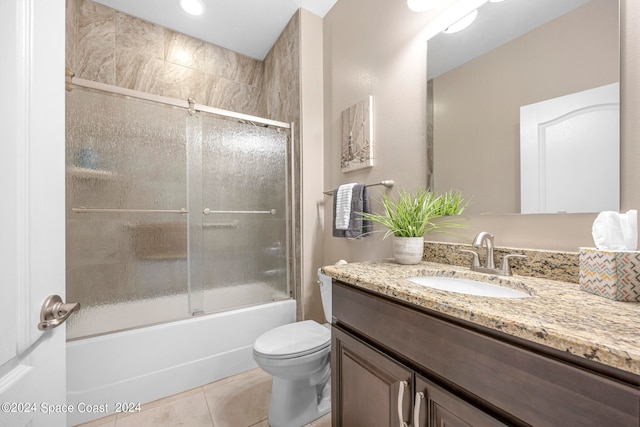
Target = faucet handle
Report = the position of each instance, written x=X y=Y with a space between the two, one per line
x=506 y=268
x=476 y=258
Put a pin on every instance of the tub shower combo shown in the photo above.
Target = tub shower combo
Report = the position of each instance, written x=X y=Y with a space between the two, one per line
x=180 y=242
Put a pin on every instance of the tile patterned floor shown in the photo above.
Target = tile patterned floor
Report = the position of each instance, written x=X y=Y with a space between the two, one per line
x=238 y=401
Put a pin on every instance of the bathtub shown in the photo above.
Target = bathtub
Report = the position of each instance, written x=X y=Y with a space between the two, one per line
x=145 y=364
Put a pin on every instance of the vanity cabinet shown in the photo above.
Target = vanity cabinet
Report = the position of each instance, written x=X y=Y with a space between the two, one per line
x=376 y=390
x=395 y=363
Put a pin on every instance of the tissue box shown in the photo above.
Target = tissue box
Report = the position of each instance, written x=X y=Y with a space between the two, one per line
x=610 y=274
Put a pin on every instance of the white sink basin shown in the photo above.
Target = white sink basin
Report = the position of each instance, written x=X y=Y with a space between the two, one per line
x=467 y=286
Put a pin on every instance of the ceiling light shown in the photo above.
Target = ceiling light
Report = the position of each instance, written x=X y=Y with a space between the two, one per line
x=192 y=7
x=420 y=5
x=462 y=23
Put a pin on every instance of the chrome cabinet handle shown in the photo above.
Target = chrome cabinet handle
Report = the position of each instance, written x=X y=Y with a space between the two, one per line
x=403 y=385
x=54 y=312
x=416 y=408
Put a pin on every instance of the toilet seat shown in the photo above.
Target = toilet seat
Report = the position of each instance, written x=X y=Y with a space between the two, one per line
x=293 y=340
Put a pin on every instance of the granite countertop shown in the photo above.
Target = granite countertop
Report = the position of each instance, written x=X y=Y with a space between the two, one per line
x=558 y=314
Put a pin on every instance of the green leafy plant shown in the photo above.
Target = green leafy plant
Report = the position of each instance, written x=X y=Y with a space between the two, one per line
x=412 y=214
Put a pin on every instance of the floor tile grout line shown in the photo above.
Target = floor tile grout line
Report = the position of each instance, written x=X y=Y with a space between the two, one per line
x=213 y=424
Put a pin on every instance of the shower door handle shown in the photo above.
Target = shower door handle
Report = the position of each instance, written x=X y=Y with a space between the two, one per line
x=54 y=312
x=208 y=211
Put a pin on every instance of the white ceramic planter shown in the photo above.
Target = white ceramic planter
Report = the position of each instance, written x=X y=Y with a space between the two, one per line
x=408 y=250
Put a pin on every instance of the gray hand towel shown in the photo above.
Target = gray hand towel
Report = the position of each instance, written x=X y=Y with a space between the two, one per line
x=358 y=227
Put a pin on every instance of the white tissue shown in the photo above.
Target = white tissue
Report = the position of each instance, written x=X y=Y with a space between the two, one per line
x=614 y=231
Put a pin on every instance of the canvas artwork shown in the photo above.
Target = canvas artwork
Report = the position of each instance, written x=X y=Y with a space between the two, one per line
x=357 y=136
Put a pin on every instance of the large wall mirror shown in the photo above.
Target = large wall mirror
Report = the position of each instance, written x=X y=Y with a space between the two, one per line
x=520 y=56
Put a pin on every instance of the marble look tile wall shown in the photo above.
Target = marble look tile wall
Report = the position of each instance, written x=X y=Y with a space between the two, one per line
x=551 y=265
x=108 y=46
x=71 y=34
x=280 y=99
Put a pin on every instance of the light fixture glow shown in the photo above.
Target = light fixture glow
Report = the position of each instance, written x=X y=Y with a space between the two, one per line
x=192 y=7
x=462 y=23
x=420 y=5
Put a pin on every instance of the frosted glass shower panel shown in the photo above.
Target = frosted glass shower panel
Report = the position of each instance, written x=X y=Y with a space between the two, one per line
x=245 y=214
x=126 y=187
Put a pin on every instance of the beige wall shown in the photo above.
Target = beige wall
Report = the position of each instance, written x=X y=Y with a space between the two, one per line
x=375 y=48
x=630 y=105
x=312 y=138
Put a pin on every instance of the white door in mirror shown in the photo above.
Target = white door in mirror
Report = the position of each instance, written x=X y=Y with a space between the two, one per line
x=576 y=136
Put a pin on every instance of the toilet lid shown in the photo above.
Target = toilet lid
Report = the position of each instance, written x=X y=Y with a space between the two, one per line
x=293 y=340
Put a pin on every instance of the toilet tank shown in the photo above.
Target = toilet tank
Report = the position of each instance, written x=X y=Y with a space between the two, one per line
x=325 y=293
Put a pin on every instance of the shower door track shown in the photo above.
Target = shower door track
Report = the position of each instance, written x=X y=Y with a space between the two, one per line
x=186 y=104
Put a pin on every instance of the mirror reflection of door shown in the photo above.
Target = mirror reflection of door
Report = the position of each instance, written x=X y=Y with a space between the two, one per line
x=474 y=119
x=570 y=155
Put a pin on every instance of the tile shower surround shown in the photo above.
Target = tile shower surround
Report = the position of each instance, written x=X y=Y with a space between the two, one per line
x=118 y=49
x=108 y=46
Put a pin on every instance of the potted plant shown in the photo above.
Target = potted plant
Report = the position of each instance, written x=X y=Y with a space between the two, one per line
x=411 y=215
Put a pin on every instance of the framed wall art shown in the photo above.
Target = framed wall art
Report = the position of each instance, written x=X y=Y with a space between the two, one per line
x=357 y=136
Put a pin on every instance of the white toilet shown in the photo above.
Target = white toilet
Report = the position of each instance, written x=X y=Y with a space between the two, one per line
x=297 y=356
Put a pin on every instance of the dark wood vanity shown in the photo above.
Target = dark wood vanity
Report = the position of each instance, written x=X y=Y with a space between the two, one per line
x=399 y=364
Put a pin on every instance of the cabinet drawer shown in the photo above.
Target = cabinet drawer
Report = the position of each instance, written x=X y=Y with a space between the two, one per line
x=531 y=387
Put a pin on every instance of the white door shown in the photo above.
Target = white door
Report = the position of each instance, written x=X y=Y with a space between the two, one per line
x=570 y=153
x=32 y=362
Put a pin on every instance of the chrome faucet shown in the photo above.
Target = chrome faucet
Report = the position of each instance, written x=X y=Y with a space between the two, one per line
x=485 y=239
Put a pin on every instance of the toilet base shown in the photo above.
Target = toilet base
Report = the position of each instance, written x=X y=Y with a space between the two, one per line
x=297 y=403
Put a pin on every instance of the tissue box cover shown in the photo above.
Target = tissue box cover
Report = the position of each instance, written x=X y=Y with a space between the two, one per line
x=610 y=274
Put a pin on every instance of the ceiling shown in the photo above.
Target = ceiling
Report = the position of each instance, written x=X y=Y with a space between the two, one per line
x=496 y=24
x=249 y=27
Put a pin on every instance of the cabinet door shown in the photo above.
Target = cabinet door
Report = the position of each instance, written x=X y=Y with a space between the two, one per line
x=436 y=407
x=369 y=389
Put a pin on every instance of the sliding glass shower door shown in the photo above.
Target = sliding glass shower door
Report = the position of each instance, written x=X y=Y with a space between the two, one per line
x=170 y=213
x=126 y=233
x=244 y=214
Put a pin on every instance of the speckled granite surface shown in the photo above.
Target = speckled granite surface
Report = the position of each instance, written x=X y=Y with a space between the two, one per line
x=558 y=314
x=552 y=265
